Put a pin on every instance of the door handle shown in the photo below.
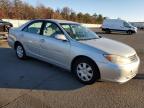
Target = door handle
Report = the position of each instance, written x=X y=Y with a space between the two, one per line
x=42 y=40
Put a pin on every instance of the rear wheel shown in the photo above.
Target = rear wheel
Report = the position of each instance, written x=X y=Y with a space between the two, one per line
x=20 y=52
x=86 y=71
x=107 y=31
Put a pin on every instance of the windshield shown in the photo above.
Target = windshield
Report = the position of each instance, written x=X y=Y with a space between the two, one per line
x=79 y=32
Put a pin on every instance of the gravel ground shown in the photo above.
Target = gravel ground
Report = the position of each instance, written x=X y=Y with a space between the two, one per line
x=36 y=84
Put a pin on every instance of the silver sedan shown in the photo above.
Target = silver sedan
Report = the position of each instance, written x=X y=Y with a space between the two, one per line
x=75 y=48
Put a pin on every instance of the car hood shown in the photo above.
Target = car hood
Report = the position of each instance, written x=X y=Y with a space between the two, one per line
x=110 y=46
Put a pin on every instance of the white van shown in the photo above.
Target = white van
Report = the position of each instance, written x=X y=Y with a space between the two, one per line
x=118 y=25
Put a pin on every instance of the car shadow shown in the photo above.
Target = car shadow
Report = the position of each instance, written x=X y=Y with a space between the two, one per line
x=36 y=75
x=140 y=77
x=33 y=74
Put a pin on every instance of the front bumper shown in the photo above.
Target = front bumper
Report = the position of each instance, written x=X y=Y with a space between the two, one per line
x=118 y=73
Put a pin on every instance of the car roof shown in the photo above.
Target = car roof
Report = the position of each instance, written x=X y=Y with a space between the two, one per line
x=52 y=20
x=59 y=21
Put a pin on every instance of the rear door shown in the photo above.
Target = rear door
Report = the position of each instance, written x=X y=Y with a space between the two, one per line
x=31 y=35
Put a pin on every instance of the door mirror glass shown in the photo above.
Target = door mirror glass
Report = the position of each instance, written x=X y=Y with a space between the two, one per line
x=61 y=37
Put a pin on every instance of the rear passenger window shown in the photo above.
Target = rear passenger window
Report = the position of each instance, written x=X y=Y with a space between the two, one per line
x=34 y=28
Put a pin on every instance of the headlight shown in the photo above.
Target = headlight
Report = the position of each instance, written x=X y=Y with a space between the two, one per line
x=117 y=59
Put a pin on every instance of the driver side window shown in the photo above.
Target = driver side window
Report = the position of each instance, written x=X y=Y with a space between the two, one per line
x=51 y=29
x=126 y=25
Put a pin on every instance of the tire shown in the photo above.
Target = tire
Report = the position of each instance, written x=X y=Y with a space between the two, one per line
x=7 y=27
x=107 y=31
x=20 y=52
x=86 y=71
x=129 y=32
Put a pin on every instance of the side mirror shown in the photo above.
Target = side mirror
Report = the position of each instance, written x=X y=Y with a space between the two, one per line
x=61 y=37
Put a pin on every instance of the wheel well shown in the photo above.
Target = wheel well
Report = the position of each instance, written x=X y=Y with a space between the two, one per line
x=83 y=57
x=105 y=29
x=130 y=31
x=17 y=43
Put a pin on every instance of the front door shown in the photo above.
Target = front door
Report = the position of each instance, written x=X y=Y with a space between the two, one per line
x=52 y=49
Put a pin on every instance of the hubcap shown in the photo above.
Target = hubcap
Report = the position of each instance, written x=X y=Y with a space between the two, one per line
x=84 y=71
x=20 y=51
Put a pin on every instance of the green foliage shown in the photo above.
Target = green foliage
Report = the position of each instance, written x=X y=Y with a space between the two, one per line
x=17 y=9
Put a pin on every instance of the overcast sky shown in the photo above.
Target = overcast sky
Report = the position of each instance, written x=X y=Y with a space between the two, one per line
x=131 y=10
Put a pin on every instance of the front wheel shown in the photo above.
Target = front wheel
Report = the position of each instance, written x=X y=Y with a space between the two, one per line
x=86 y=71
x=20 y=52
x=108 y=31
x=129 y=32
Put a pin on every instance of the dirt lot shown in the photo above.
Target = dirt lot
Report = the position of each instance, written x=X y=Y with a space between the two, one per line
x=35 y=84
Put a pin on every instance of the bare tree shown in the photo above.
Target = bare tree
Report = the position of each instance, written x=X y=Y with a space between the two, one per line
x=17 y=9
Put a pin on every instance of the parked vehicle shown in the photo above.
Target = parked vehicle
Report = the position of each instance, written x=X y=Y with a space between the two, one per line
x=73 y=47
x=139 y=25
x=118 y=25
x=5 y=26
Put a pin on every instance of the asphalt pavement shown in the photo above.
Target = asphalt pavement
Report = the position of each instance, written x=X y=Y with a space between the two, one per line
x=35 y=84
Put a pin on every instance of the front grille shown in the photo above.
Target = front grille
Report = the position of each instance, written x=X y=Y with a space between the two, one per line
x=133 y=58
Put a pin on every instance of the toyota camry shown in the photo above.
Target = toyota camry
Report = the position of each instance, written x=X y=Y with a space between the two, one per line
x=76 y=48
